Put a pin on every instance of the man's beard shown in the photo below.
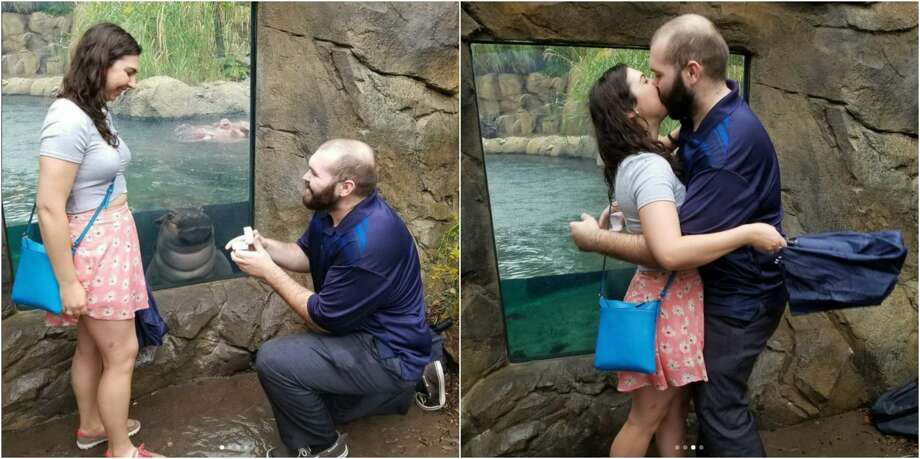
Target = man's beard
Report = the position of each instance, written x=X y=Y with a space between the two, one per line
x=320 y=200
x=679 y=102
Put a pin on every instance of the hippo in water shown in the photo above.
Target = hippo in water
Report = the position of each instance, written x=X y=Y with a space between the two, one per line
x=224 y=131
x=185 y=249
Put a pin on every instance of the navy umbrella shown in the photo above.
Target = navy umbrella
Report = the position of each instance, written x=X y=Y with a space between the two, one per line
x=841 y=270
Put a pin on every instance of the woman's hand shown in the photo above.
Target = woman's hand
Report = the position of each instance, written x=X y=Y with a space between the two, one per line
x=764 y=238
x=73 y=299
x=604 y=220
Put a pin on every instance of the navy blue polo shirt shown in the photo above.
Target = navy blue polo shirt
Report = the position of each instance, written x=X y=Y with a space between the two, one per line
x=732 y=177
x=367 y=278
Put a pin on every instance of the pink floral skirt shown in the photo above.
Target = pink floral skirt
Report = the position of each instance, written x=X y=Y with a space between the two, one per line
x=108 y=265
x=679 y=334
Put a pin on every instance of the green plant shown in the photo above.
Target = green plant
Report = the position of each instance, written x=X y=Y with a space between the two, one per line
x=189 y=41
x=443 y=281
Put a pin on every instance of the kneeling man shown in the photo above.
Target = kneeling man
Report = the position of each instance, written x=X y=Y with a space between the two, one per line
x=369 y=341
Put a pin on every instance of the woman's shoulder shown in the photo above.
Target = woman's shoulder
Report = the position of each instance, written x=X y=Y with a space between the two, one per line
x=644 y=160
x=63 y=106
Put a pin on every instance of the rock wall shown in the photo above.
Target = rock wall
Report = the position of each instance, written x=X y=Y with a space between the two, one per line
x=513 y=105
x=34 y=44
x=383 y=73
x=379 y=72
x=842 y=114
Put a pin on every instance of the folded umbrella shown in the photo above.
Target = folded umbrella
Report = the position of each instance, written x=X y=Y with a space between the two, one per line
x=841 y=270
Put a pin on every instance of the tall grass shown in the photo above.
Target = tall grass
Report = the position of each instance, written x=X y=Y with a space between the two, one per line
x=179 y=39
x=520 y=59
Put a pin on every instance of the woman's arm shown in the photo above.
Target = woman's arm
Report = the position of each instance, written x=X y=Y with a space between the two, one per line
x=674 y=251
x=55 y=180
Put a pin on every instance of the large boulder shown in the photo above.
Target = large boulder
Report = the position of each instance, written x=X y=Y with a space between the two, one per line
x=510 y=84
x=45 y=87
x=13 y=24
x=167 y=97
x=17 y=86
x=51 y=28
x=20 y=64
x=487 y=87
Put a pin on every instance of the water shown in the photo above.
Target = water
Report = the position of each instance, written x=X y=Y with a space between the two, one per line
x=549 y=287
x=164 y=173
x=533 y=200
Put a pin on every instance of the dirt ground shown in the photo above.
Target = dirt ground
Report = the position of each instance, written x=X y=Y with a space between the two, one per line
x=231 y=417
x=846 y=435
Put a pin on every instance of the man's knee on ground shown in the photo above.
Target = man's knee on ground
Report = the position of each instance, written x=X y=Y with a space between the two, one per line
x=269 y=358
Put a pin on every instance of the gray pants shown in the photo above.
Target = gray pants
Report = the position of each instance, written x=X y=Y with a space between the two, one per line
x=314 y=381
x=726 y=425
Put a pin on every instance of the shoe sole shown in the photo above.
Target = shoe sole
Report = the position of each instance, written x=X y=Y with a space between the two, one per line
x=85 y=446
x=442 y=397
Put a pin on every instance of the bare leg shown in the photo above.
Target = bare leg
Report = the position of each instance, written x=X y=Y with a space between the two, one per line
x=117 y=342
x=671 y=435
x=85 y=372
x=649 y=407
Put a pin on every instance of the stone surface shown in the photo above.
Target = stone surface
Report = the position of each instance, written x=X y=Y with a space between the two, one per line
x=398 y=94
x=13 y=86
x=45 y=87
x=166 y=97
x=51 y=28
x=13 y=24
x=844 y=125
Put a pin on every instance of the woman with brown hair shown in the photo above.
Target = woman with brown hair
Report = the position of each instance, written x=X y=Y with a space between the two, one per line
x=626 y=112
x=82 y=163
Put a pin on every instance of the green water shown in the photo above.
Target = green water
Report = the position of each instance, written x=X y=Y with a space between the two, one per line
x=549 y=288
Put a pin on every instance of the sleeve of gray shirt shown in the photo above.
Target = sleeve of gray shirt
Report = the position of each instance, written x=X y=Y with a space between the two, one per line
x=65 y=132
x=650 y=179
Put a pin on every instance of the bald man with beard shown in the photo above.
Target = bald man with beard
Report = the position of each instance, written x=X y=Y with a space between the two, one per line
x=368 y=344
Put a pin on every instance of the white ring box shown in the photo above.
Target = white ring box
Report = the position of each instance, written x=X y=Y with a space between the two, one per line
x=243 y=242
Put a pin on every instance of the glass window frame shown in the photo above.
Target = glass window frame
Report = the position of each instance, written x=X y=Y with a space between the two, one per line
x=745 y=88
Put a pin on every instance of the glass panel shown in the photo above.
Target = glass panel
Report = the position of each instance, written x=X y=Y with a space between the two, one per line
x=187 y=126
x=543 y=171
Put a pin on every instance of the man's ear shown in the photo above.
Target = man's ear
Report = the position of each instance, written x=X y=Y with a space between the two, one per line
x=694 y=72
x=348 y=187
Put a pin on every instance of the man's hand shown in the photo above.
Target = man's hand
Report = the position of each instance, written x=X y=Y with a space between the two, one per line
x=256 y=262
x=585 y=232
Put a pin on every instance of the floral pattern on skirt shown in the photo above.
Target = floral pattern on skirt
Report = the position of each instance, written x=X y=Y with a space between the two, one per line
x=679 y=330
x=108 y=265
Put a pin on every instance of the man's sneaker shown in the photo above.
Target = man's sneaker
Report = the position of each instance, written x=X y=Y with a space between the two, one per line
x=433 y=398
x=338 y=449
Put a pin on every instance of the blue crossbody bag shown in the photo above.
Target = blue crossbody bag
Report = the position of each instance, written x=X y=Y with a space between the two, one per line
x=626 y=332
x=35 y=286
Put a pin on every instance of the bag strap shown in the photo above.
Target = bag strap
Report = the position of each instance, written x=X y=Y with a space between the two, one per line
x=100 y=208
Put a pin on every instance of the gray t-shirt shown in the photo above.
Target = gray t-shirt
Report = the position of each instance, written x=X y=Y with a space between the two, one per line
x=69 y=134
x=642 y=179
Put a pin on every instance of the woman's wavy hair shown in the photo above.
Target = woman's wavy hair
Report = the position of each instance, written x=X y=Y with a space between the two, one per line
x=99 y=47
x=617 y=135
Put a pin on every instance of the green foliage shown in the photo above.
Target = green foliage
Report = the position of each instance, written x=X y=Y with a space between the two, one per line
x=179 y=39
x=444 y=277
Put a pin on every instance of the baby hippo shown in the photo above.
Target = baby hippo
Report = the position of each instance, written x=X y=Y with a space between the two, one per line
x=185 y=249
